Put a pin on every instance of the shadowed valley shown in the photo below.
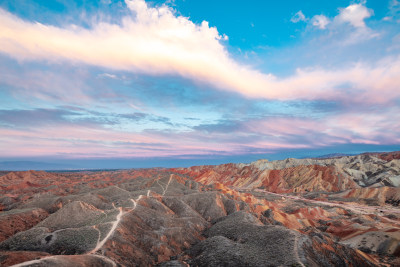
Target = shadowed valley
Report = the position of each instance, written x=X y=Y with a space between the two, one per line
x=339 y=211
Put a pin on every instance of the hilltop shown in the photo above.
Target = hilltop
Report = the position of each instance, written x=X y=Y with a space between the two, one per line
x=339 y=211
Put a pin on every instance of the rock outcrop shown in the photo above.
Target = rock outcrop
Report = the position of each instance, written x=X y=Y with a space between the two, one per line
x=307 y=212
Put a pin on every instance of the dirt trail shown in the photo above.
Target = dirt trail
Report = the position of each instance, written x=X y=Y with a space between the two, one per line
x=169 y=181
x=27 y=263
x=114 y=225
x=106 y=259
x=101 y=243
x=166 y=186
x=296 y=251
x=121 y=213
x=32 y=262
x=162 y=187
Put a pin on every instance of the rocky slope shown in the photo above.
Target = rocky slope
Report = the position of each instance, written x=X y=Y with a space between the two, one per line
x=310 y=212
x=305 y=175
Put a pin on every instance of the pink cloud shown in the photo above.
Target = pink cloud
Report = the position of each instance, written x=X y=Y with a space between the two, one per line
x=255 y=136
x=156 y=41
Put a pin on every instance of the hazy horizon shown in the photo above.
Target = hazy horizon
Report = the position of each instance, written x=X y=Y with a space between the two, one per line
x=172 y=83
x=54 y=164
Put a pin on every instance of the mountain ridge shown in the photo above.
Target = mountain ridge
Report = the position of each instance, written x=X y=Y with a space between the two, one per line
x=293 y=212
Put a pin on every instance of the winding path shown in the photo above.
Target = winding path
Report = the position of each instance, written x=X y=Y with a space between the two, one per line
x=100 y=243
x=121 y=213
x=169 y=181
x=112 y=230
x=114 y=225
x=29 y=263
x=296 y=250
x=166 y=186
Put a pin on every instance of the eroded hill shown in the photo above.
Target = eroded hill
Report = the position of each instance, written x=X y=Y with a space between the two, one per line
x=311 y=212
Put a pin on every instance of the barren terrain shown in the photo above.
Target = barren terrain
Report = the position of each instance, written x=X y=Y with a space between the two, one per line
x=296 y=212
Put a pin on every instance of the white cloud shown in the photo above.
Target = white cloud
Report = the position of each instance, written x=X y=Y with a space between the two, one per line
x=350 y=22
x=320 y=21
x=156 y=41
x=394 y=11
x=151 y=40
x=108 y=75
x=355 y=15
x=299 y=16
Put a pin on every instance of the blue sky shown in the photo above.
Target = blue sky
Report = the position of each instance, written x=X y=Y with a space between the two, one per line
x=169 y=83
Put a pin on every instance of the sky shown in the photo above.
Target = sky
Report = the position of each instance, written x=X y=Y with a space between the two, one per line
x=133 y=83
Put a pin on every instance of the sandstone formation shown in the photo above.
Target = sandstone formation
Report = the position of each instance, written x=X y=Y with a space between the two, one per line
x=297 y=212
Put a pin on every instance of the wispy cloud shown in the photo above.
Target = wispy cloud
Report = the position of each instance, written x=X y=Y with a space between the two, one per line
x=158 y=42
x=108 y=75
x=299 y=16
x=36 y=118
x=93 y=91
x=227 y=136
x=320 y=21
